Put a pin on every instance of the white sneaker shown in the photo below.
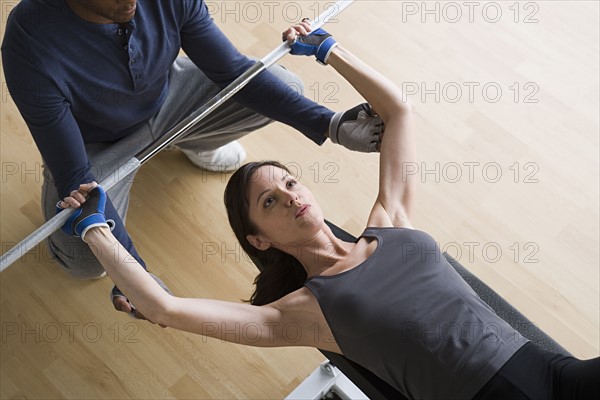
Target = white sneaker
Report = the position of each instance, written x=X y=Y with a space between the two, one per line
x=102 y=275
x=226 y=158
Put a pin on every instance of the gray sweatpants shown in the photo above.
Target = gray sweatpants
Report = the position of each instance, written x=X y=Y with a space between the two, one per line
x=189 y=89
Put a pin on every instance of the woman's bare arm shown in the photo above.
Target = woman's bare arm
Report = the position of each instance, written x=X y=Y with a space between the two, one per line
x=233 y=322
x=398 y=150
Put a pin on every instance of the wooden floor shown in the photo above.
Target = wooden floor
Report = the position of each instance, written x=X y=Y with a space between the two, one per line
x=512 y=137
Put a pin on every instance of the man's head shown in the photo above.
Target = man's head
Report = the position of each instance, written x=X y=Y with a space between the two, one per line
x=104 y=11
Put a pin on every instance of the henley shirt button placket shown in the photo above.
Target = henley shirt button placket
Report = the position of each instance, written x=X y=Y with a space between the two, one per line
x=132 y=61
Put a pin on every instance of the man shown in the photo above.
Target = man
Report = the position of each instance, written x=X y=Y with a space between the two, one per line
x=96 y=81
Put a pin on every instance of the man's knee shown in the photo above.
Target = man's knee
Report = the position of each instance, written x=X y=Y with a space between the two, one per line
x=290 y=79
x=75 y=258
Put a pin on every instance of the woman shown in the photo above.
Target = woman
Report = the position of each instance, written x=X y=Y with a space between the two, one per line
x=390 y=301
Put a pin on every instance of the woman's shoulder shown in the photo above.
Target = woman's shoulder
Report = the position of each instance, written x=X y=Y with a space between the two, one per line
x=380 y=217
x=371 y=231
x=299 y=300
x=395 y=234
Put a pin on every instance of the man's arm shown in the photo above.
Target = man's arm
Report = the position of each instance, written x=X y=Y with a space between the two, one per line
x=216 y=56
x=47 y=114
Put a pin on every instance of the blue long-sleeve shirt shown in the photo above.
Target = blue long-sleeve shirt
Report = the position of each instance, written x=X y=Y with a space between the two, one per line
x=77 y=82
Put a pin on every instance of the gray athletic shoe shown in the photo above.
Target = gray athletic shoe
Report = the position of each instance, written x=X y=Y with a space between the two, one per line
x=357 y=129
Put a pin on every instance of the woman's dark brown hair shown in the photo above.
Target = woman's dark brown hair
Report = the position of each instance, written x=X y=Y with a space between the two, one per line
x=280 y=273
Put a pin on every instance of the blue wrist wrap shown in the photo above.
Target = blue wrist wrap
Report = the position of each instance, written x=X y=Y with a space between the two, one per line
x=91 y=214
x=318 y=43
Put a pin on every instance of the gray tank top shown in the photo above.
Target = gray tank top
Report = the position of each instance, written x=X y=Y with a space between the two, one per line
x=406 y=315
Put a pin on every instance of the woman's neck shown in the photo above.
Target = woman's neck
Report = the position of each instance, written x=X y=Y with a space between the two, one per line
x=322 y=252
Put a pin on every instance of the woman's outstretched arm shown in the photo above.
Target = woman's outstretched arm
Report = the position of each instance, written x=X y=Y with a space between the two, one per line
x=263 y=326
x=234 y=322
x=396 y=188
x=219 y=319
x=398 y=149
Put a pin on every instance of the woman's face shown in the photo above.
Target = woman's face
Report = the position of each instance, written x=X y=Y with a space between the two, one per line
x=284 y=211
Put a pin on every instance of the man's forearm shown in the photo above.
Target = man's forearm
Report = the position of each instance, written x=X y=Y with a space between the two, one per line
x=283 y=102
x=217 y=57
